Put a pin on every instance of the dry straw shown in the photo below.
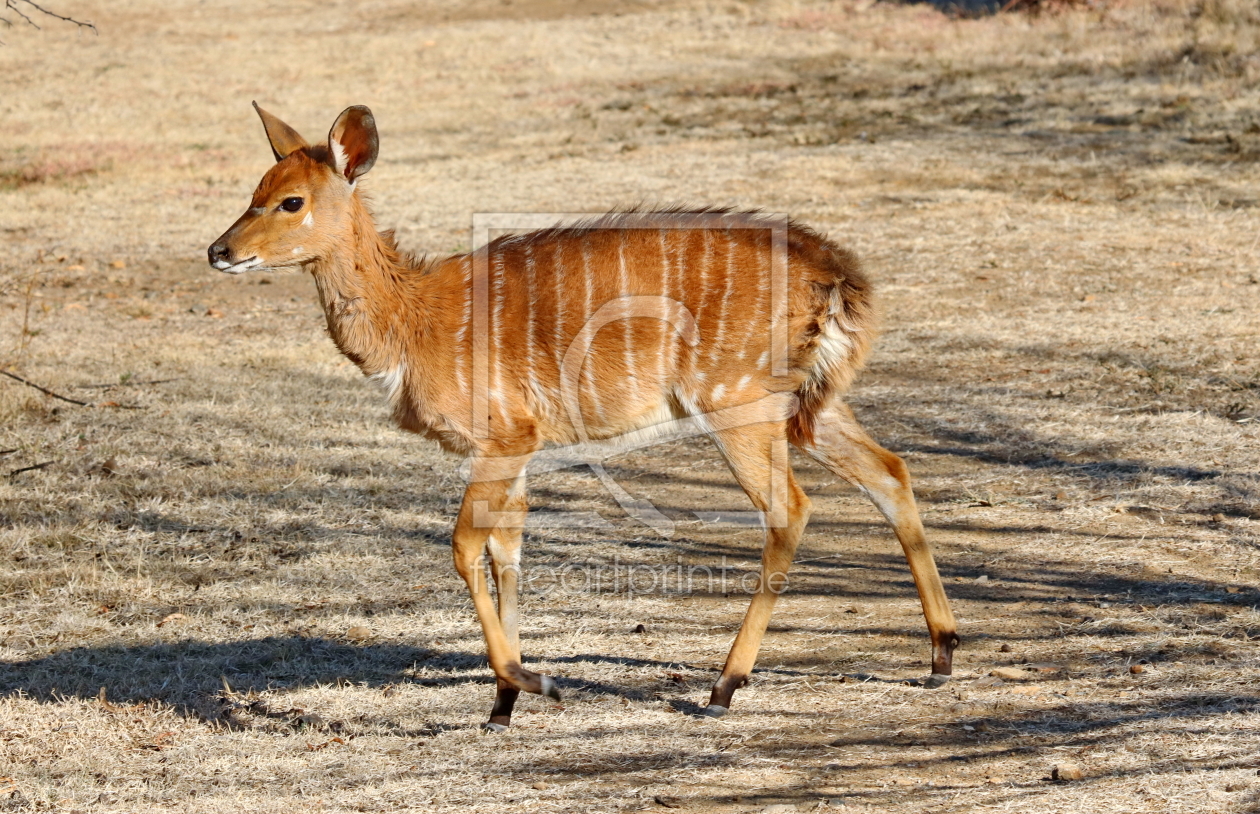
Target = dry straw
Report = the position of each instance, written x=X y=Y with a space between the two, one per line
x=1059 y=211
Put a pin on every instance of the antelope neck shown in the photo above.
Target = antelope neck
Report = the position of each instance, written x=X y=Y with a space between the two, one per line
x=362 y=290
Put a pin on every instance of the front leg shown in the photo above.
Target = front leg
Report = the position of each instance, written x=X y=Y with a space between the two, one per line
x=491 y=516
x=504 y=545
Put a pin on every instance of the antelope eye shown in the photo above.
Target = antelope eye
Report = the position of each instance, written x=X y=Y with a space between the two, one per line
x=291 y=204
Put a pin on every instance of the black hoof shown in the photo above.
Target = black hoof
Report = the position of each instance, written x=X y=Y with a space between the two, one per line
x=527 y=680
x=935 y=680
x=494 y=728
x=547 y=687
x=713 y=711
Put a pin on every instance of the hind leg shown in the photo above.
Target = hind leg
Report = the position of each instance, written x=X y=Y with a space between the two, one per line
x=758 y=457
x=841 y=445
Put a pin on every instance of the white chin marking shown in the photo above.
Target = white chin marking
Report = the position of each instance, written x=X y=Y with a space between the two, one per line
x=237 y=268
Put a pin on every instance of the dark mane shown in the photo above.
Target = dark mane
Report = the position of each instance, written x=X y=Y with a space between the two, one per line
x=679 y=216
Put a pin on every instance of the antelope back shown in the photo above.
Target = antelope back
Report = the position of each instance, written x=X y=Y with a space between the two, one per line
x=595 y=330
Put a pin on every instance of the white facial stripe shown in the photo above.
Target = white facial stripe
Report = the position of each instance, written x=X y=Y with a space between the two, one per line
x=309 y=220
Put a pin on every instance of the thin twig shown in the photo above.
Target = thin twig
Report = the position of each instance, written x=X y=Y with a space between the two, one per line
x=12 y=5
x=56 y=16
x=26 y=335
x=7 y=451
x=17 y=472
x=122 y=384
x=43 y=390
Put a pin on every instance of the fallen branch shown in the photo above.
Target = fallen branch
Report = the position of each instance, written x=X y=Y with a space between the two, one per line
x=44 y=390
x=17 y=472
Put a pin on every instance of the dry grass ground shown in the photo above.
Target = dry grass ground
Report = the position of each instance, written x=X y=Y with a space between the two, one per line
x=1061 y=213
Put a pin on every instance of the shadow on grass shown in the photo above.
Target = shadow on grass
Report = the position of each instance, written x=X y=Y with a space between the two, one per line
x=210 y=679
x=190 y=674
x=940 y=765
x=196 y=676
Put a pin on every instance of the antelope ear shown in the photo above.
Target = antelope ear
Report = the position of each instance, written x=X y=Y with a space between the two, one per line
x=284 y=139
x=353 y=142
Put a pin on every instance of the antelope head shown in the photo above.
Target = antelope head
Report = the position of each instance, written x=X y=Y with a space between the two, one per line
x=301 y=209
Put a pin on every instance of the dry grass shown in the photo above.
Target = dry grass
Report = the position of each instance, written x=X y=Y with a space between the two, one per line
x=1060 y=210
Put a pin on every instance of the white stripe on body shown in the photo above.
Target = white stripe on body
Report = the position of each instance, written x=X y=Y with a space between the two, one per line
x=754 y=320
x=672 y=335
x=461 y=333
x=705 y=261
x=586 y=315
x=531 y=305
x=559 y=307
x=665 y=349
x=498 y=272
x=623 y=280
x=720 y=333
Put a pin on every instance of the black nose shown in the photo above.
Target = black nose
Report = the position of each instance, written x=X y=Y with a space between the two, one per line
x=219 y=251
